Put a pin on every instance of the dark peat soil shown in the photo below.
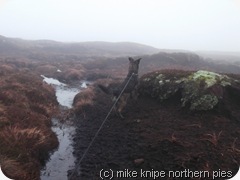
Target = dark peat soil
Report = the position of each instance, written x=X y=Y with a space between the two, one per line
x=156 y=137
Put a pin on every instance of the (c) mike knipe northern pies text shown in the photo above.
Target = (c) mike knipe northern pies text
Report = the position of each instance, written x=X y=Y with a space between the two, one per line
x=154 y=174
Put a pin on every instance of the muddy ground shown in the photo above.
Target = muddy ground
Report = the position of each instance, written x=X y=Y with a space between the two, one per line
x=156 y=136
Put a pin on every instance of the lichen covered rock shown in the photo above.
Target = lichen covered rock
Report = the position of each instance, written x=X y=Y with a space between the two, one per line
x=161 y=84
x=200 y=90
x=204 y=102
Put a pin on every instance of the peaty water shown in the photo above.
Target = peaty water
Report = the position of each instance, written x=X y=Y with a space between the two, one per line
x=62 y=159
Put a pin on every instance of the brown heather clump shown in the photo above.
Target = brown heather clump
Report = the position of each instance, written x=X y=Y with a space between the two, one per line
x=46 y=69
x=24 y=147
x=29 y=138
x=26 y=107
x=84 y=98
x=72 y=74
x=12 y=168
x=6 y=68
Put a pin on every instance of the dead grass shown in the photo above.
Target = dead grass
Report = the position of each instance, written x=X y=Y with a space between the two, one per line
x=46 y=69
x=73 y=74
x=5 y=68
x=30 y=138
x=84 y=98
x=213 y=138
x=12 y=168
x=26 y=107
x=233 y=148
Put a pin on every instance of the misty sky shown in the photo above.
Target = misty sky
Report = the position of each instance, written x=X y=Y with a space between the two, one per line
x=165 y=24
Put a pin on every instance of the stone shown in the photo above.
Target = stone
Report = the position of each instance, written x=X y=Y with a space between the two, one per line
x=138 y=161
x=200 y=90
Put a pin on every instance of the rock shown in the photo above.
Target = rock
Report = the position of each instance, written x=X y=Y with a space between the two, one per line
x=138 y=161
x=161 y=85
x=196 y=89
x=200 y=90
x=204 y=102
x=138 y=120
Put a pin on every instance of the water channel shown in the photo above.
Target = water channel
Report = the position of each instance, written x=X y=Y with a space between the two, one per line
x=62 y=159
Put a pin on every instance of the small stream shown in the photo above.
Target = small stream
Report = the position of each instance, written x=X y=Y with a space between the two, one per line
x=62 y=159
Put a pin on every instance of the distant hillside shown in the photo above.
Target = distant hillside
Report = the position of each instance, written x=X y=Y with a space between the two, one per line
x=220 y=55
x=112 y=56
x=187 y=61
x=117 y=67
x=20 y=47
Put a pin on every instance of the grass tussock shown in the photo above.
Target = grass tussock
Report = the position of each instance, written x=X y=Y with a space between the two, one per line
x=29 y=138
x=12 y=168
x=26 y=107
x=73 y=74
x=84 y=102
x=84 y=98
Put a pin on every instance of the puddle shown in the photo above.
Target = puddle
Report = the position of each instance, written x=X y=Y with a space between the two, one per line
x=62 y=159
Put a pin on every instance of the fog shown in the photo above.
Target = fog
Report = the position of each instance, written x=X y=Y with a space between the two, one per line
x=167 y=24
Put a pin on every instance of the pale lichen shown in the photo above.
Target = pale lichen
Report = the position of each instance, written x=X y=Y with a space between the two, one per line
x=210 y=78
x=204 y=102
x=159 y=76
x=161 y=82
x=179 y=81
x=147 y=79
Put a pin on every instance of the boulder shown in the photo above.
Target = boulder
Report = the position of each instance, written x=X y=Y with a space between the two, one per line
x=200 y=90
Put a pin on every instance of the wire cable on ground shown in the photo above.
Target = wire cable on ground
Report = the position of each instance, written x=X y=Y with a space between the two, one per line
x=99 y=129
